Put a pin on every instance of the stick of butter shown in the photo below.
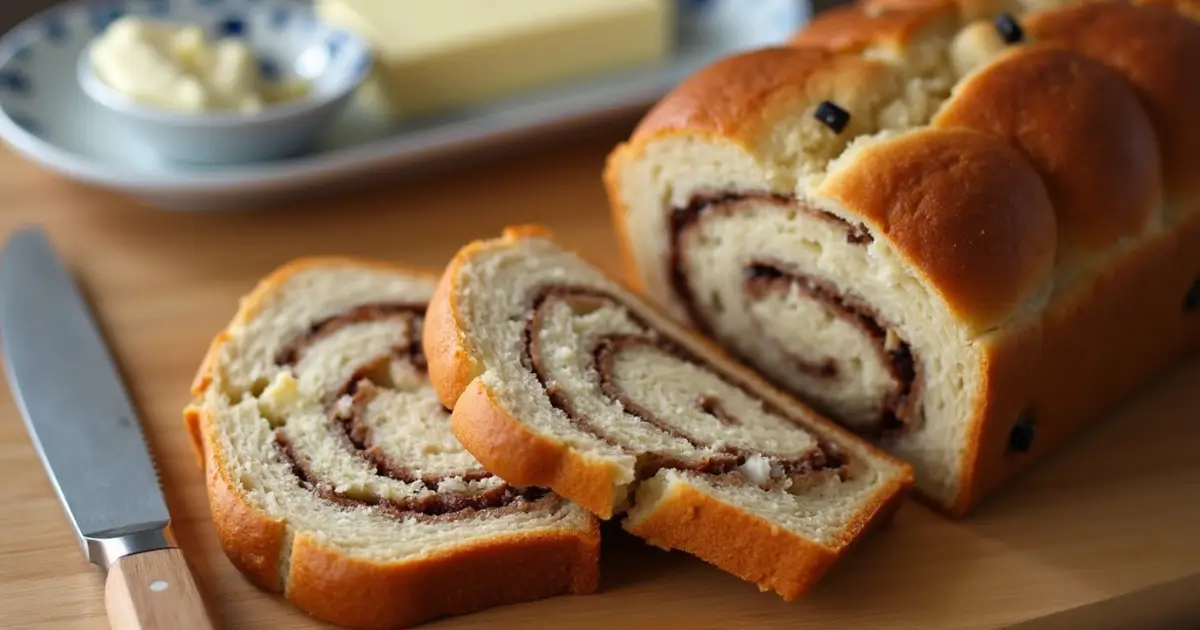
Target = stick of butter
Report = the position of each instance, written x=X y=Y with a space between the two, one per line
x=432 y=55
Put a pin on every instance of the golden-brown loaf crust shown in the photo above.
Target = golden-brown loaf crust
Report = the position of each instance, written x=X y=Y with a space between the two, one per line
x=1155 y=44
x=854 y=27
x=747 y=546
x=1111 y=335
x=1190 y=8
x=1102 y=103
x=739 y=97
x=966 y=10
x=1185 y=275
x=851 y=28
x=1007 y=377
x=965 y=210
x=1153 y=34
x=358 y=593
x=1100 y=162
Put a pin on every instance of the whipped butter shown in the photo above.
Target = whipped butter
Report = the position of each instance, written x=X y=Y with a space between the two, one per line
x=176 y=67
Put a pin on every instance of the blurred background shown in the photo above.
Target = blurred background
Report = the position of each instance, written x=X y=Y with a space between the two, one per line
x=13 y=11
x=405 y=95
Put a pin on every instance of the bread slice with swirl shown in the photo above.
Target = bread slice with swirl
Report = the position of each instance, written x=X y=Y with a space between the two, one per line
x=333 y=476
x=560 y=378
x=963 y=238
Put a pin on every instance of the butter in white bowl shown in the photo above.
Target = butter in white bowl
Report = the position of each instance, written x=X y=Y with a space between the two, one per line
x=431 y=56
x=177 y=66
x=189 y=84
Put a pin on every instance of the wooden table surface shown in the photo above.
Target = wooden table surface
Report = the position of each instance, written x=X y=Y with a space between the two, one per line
x=1106 y=534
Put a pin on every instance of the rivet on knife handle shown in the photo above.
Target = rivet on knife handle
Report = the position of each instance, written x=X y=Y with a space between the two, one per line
x=154 y=590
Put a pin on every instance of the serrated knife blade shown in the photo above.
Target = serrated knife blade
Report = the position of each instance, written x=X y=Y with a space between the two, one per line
x=88 y=437
x=73 y=403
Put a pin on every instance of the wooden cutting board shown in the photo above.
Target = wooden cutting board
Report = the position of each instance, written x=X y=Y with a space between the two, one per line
x=1106 y=534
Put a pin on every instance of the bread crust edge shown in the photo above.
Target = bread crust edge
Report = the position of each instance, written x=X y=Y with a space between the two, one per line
x=988 y=467
x=483 y=427
x=345 y=590
x=521 y=456
x=509 y=569
x=752 y=548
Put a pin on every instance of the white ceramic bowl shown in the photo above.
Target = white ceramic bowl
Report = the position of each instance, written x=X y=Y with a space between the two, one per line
x=290 y=43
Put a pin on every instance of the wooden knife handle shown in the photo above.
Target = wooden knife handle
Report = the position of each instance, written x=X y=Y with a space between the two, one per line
x=154 y=590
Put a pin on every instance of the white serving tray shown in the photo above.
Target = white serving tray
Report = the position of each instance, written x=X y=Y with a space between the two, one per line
x=45 y=117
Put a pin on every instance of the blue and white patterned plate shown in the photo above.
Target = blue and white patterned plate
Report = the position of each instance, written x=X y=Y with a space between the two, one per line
x=290 y=45
x=45 y=116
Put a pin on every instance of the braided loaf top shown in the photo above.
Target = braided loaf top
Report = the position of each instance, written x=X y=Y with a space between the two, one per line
x=1001 y=159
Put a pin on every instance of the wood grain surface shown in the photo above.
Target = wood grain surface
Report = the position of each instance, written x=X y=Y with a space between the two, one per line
x=1104 y=535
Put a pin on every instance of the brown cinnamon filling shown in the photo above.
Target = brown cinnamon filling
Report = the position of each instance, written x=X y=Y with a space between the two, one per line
x=361 y=388
x=702 y=204
x=897 y=408
x=413 y=314
x=713 y=406
x=823 y=456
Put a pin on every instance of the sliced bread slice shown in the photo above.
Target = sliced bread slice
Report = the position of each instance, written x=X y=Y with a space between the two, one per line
x=559 y=377
x=333 y=476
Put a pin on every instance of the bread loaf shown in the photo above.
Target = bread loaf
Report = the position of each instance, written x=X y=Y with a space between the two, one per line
x=333 y=476
x=960 y=233
x=560 y=378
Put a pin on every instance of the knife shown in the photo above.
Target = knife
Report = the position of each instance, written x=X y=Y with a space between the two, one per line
x=90 y=441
